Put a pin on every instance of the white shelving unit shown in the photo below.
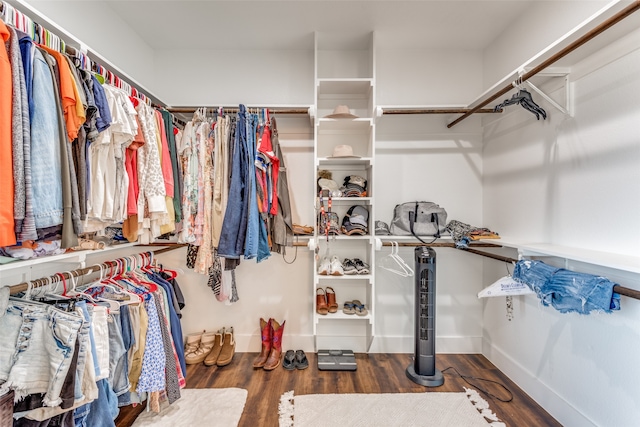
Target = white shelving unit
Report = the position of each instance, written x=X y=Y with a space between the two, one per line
x=344 y=75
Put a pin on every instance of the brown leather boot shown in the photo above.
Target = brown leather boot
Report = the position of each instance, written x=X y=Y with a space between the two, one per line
x=212 y=357
x=266 y=331
x=276 y=346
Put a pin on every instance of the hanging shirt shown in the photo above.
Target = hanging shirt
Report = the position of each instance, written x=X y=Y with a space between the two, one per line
x=7 y=234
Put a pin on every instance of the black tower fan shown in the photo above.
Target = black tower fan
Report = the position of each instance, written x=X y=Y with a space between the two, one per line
x=423 y=370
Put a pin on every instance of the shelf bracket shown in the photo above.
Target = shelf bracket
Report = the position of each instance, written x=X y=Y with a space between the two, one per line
x=564 y=110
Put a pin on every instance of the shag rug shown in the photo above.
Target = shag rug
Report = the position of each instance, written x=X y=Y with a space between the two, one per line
x=207 y=407
x=433 y=409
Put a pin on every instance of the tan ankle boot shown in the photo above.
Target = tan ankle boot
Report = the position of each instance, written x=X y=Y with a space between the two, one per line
x=192 y=343
x=206 y=344
x=212 y=357
x=228 y=348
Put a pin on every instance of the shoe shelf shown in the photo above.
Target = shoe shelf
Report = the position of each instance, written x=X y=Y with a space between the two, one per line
x=346 y=277
x=342 y=316
x=345 y=79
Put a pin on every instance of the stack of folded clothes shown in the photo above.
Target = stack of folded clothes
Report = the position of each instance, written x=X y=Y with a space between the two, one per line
x=355 y=221
x=354 y=186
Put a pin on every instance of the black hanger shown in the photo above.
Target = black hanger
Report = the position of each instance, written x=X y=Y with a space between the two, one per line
x=524 y=98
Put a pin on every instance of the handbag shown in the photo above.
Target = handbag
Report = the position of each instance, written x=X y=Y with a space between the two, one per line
x=418 y=219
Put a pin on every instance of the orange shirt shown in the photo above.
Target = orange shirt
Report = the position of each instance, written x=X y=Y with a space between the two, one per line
x=74 y=117
x=7 y=232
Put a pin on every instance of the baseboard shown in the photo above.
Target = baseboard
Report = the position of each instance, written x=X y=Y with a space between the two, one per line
x=380 y=344
x=454 y=345
x=545 y=396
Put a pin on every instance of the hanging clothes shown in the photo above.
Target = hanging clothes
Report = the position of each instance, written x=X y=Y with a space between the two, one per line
x=7 y=225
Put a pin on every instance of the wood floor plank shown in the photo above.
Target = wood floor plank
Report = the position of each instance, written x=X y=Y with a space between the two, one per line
x=376 y=373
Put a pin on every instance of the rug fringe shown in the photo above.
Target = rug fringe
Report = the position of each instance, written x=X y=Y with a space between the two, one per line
x=483 y=407
x=285 y=409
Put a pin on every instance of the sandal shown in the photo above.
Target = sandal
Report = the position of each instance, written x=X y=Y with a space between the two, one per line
x=289 y=361
x=359 y=307
x=301 y=360
x=348 y=308
x=331 y=299
x=321 y=302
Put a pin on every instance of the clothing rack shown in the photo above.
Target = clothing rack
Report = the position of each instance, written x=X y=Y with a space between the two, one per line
x=44 y=281
x=272 y=110
x=633 y=7
x=628 y=292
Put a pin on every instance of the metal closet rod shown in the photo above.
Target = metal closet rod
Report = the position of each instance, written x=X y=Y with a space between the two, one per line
x=21 y=287
x=386 y=111
x=440 y=244
x=235 y=109
x=633 y=7
x=628 y=292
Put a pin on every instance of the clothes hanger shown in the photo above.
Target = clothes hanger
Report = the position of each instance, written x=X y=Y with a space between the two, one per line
x=401 y=261
x=397 y=262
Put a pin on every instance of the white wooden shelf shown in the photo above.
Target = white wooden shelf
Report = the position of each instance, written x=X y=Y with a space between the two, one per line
x=621 y=262
x=348 y=86
x=346 y=161
x=75 y=256
x=341 y=316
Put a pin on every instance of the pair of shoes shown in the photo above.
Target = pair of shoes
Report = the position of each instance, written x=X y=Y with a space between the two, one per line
x=330 y=267
x=360 y=266
x=212 y=348
x=354 y=307
x=224 y=348
x=302 y=229
x=269 y=357
x=326 y=301
x=295 y=360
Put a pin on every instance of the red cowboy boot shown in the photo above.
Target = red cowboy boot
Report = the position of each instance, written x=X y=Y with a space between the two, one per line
x=276 y=346
x=267 y=331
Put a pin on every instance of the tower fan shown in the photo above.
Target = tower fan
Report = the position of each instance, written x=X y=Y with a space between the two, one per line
x=423 y=370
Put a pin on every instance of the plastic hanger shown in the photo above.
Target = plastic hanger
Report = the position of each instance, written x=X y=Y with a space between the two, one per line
x=404 y=270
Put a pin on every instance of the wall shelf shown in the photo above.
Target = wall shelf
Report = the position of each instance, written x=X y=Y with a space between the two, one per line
x=620 y=262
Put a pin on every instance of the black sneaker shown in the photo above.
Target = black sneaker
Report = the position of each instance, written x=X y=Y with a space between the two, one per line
x=349 y=267
x=361 y=266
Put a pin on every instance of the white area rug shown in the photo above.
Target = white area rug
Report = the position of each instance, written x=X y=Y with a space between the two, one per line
x=431 y=409
x=219 y=407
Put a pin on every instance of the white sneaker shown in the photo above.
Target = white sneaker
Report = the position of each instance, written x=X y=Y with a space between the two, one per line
x=324 y=267
x=336 y=267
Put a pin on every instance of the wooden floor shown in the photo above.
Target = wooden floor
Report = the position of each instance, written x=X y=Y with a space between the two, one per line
x=376 y=373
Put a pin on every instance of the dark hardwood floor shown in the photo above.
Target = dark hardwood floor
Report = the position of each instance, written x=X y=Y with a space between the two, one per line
x=376 y=373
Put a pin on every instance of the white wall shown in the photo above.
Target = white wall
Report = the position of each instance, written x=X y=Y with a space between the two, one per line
x=97 y=26
x=228 y=77
x=539 y=26
x=573 y=182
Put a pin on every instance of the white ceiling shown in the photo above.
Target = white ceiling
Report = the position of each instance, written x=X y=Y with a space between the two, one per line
x=267 y=24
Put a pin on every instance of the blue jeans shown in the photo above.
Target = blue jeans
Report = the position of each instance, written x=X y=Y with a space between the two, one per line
x=46 y=169
x=253 y=219
x=101 y=412
x=234 y=227
x=567 y=290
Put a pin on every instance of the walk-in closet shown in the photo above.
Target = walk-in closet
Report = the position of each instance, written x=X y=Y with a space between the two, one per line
x=296 y=213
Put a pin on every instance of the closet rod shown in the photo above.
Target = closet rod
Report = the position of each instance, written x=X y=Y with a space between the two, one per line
x=628 y=292
x=21 y=287
x=440 y=244
x=235 y=109
x=436 y=111
x=633 y=7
